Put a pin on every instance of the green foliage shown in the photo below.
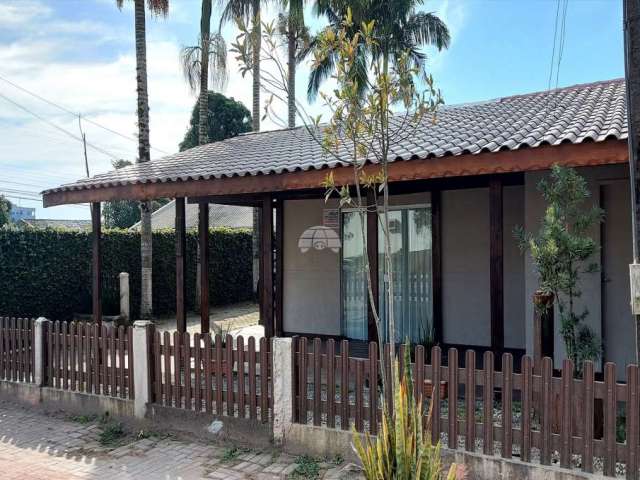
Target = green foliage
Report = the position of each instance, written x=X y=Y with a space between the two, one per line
x=232 y=453
x=403 y=448
x=112 y=434
x=125 y=213
x=5 y=211
x=48 y=272
x=306 y=467
x=227 y=118
x=562 y=252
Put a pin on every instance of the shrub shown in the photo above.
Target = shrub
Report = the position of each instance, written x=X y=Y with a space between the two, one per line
x=48 y=272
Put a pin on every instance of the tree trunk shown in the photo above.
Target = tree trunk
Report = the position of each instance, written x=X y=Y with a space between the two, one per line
x=257 y=45
x=203 y=101
x=146 y=243
x=255 y=115
x=291 y=80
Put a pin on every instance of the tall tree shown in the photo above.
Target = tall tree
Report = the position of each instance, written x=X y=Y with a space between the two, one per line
x=248 y=11
x=156 y=7
x=298 y=41
x=226 y=118
x=399 y=30
x=204 y=61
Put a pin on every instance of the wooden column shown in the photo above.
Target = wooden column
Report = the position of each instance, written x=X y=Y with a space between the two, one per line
x=372 y=253
x=266 y=265
x=96 y=262
x=181 y=266
x=436 y=264
x=203 y=242
x=279 y=280
x=496 y=272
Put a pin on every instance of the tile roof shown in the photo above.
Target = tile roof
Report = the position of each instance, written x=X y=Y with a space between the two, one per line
x=55 y=223
x=219 y=216
x=576 y=114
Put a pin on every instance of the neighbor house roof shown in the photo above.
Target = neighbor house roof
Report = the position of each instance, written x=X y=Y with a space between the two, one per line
x=53 y=223
x=232 y=216
x=592 y=112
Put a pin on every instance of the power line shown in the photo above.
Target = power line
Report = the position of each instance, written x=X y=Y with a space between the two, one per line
x=57 y=127
x=76 y=114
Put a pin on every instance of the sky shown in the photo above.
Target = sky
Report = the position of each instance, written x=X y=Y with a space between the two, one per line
x=79 y=55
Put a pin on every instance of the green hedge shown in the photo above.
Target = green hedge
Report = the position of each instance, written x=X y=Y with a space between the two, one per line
x=48 y=272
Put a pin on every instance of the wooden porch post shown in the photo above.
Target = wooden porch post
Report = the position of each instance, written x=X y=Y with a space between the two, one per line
x=266 y=265
x=181 y=264
x=496 y=272
x=372 y=254
x=279 y=281
x=436 y=264
x=97 y=262
x=203 y=239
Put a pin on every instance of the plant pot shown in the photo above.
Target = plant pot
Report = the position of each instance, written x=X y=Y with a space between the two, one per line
x=427 y=389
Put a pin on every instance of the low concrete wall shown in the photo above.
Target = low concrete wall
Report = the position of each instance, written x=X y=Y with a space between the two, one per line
x=322 y=441
x=73 y=403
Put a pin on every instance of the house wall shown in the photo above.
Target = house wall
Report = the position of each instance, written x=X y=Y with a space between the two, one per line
x=466 y=298
x=311 y=280
x=608 y=301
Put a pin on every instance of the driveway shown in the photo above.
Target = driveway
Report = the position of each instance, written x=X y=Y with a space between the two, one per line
x=35 y=445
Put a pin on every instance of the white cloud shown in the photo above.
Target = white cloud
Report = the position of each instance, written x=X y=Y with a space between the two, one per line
x=16 y=14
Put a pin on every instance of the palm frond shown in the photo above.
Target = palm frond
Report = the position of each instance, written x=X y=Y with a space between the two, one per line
x=190 y=61
x=318 y=74
x=426 y=29
x=158 y=7
x=218 y=71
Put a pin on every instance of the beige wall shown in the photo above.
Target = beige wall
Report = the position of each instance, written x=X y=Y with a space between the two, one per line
x=465 y=266
x=466 y=297
x=311 y=287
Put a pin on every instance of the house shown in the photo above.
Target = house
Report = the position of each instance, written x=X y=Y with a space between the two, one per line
x=54 y=223
x=458 y=189
x=231 y=216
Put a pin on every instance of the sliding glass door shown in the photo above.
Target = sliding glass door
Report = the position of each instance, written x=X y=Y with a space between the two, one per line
x=410 y=245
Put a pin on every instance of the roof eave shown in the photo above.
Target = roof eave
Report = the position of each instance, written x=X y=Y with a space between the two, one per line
x=509 y=161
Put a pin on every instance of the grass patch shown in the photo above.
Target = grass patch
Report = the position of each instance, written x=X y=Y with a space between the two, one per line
x=83 y=419
x=307 y=467
x=112 y=431
x=232 y=453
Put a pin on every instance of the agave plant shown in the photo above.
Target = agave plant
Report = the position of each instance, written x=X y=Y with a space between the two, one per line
x=403 y=449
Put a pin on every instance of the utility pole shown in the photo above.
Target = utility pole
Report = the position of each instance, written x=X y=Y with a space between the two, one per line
x=631 y=21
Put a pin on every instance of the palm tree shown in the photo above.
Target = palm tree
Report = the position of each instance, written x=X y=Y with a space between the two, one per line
x=293 y=28
x=249 y=12
x=156 y=7
x=196 y=63
x=398 y=28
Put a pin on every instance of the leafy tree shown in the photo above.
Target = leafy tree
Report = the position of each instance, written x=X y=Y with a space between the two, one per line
x=226 y=118
x=562 y=252
x=156 y=7
x=125 y=213
x=5 y=211
x=398 y=29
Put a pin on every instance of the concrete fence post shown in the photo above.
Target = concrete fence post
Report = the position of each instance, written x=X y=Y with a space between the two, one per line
x=41 y=324
x=124 y=295
x=141 y=366
x=282 y=384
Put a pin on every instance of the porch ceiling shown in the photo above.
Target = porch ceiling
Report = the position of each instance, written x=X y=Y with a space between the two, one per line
x=579 y=125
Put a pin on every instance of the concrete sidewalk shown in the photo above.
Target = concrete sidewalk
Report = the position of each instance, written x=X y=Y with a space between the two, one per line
x=36 y=445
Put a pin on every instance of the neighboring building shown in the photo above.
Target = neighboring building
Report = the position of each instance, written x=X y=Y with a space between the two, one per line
x=22 y=213
x=51 y=223
x=458 y=187
x=219 y=216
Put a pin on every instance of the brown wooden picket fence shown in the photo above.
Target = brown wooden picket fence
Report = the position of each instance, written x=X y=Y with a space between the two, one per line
x=569 y=420
x=211 y=374
x=89 y=358
x=16 y=349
